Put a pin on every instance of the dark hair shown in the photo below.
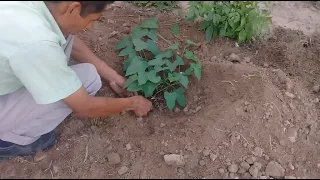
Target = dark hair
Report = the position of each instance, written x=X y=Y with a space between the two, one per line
x=89 y=7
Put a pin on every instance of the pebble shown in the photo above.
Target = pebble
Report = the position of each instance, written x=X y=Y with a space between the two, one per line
x=176 y=110
x=316 y=100
x=186 y=109
x=206 y=91
x=290 y=177
x=213 y=157
x=246 y=176
x=232 y=175
x=316 y=88
x=258 y=151
x=113 y=158
x=55 y=169
x=202 y=163
x=274 y=169
x=144 y=174
x=290 y=165
x=123 y=170
x=242 y=171
x=245 y=165
x=234 y=57
x=162 y=125
x=161 y=153
x=128 y=147
x=213 y=58
x=257 y=165
x=39 y=156
x=233 y=168
x=292 y=134
x=266 y=65
x=281 y=75
x=264 y=177
x=139 y=119
x=126 y=25
x=290 y=95
x=254 y=171
x=266 y=157
x=289 y=85
x=206 y=152
x=221 y=170
x=174 y=159
x=247 y=59
x=251 y=160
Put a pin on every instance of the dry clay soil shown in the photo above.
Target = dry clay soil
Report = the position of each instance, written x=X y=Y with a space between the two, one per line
x=254 y=117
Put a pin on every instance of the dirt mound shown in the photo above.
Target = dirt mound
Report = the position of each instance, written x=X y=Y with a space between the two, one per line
x=253 y=117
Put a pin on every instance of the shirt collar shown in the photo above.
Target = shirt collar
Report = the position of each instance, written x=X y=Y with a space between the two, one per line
x=41 y=6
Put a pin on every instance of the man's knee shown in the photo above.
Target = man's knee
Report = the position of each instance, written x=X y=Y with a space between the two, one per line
x=89 y=77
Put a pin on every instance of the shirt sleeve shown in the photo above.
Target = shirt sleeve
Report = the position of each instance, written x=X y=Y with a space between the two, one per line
x=43 y=69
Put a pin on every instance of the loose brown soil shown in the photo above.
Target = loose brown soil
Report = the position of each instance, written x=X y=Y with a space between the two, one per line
x=241 y=107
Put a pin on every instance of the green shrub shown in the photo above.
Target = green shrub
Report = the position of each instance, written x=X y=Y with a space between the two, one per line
x=154 y=73
x=241 y=20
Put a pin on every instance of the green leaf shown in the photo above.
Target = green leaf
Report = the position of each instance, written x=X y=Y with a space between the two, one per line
x=172 y=77
x=209 y=32
x=179 y=61
x=170 y=65
x=188 y=72
x=175 y=29
x=136 y=65
x=148 y=88
x=204 y=25
x=168 y=53
x=152 y=76
x=181 y=97
x=184 y=80
x=150 y=23
x=174 y=46
x=189 y=55
x=242 y=36
x=138 y=33
x=152 y=47
x=123 y=42
x=139 y=44
x=142 y=77
x=170 y=98
x=191 y=43
x=157 y=61
x=196 y=70
x=153 y=34
x=158 y=68
x=128 y=50
x=130 y=80
x=134 y=87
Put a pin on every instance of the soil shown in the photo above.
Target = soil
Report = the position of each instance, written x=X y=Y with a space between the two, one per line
x=257 y=118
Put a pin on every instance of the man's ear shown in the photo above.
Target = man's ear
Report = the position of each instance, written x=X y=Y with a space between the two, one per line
x=74 y=8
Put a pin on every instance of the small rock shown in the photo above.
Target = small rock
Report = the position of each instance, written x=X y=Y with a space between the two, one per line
x=251 y=160
x=266 y=157
x=292 y=134
x=246 y=176
x=257 y=151
x=206 y=91
x=198 y=109
x=140 y=119
x=245 y=165
x=289 y=85
x=55 y=169
x=290 y=95
x=202 y=163
x=274 y=169
x=242 y=171
x=266 y=65
x=144 y=174
x=126 y=30
x=213 y=157
x=113 y=158
x=213 y=58
x=39 y=156
x=186 y=109
x=264 y=177
x=221 y=171
x=254 y=171
x=232 y=175
x=318 y=165
x=123 y=170
x=126 y=25
x=290 y=165
x=128 y=147
x=233 y=168
x=316 y=100
x=176 y=110
x=162 y=125
x=281 y=75
x=206 y=152
x=316 y=88
x=257 y=165
x=161 y=153
x=233 y=57
x=247 y=59
x=174 y=159
x=290 y=177
x=114 y=33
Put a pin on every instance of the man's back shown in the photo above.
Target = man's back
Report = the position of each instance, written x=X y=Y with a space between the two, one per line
x=23 y=23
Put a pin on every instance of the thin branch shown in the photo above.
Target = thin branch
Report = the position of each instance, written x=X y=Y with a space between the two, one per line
x=167 y=41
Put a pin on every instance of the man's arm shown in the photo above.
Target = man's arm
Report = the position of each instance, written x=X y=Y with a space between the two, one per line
x=82 y=53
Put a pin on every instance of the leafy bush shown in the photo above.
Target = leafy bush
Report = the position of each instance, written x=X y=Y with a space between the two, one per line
x=152 y=72
x=162 y=5
x=241 y=20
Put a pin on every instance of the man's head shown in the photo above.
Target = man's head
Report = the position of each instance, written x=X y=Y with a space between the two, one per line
x=75 y=16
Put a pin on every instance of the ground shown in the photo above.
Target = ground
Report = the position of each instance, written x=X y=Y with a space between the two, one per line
x=254 y=118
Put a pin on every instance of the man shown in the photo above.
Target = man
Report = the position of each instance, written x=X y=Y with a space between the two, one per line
x=38 y=89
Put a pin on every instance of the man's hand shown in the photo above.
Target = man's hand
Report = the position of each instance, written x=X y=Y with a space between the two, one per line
x=141 y=106
x=116 y=83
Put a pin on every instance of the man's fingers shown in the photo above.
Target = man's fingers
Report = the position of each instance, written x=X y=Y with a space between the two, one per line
x=116 y=88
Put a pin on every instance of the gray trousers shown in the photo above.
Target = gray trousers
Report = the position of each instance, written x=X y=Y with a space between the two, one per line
x=23 y=121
